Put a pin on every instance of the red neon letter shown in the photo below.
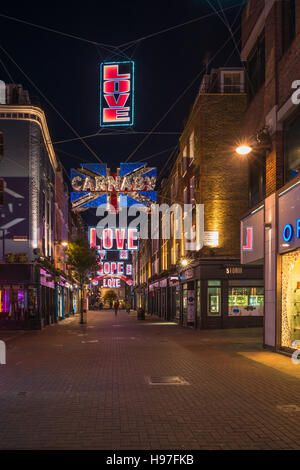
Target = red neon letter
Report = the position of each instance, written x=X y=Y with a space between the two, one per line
x=116 y=86
x=249 y=239
x=112 y=71
x=120 y=239
x=119 y=103
x=113 y=267
x=115 y=114
x=132 y=235
x=107 y=238
x=120 y=268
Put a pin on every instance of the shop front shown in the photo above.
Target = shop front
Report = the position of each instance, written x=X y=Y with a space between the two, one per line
x=276 y=240
x=26 y=298
x=219 y=293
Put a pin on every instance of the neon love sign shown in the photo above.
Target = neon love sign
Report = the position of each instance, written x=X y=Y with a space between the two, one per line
x=116 y=93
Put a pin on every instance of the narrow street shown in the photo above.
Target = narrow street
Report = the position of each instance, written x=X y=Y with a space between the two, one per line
x=75 y=386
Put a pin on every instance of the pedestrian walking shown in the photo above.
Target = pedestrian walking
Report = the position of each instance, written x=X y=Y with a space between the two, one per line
x=116 y=306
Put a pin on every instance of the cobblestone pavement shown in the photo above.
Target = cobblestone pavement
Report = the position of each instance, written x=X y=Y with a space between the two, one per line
x=75 y=386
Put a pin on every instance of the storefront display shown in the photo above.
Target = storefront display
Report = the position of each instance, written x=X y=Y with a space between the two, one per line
x=246 y=301
x=290 y=320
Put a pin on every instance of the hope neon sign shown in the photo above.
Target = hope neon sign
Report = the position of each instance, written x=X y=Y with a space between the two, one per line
x=116 y=94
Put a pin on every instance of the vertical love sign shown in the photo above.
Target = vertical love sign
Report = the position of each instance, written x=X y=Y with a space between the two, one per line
x=116 y=93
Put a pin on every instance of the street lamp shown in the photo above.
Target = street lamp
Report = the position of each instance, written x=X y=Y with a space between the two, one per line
x=243 y=149
x=64 y=243
x=184 y=262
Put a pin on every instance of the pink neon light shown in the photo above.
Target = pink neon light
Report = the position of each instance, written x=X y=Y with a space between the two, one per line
x=249 y=239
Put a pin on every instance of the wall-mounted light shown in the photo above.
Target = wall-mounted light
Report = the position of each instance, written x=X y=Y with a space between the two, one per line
x=261 y=141
x=243 y=149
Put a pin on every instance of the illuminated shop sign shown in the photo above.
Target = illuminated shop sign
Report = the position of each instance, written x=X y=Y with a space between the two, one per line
x=249 y=239
x=93 y=185
x=125 y=239
x=116 y=93
x=288 y=231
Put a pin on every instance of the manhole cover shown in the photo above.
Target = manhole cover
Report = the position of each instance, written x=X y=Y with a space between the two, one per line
x=288 y=408
x=21 y=394
x=166 y=380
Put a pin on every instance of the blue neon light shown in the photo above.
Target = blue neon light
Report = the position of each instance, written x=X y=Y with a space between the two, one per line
x=288 y=232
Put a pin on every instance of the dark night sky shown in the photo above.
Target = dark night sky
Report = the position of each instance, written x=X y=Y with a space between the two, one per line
x=67 y=70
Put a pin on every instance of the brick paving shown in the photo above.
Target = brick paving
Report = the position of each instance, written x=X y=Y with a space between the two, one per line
x=75 y=386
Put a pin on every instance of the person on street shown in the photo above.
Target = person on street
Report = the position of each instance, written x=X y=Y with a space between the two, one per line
x=116 y=306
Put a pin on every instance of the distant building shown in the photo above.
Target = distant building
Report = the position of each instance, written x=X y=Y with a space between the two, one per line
x=271 y=126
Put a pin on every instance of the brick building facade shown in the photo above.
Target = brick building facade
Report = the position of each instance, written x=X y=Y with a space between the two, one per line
x=271 y=125
x=197 y=287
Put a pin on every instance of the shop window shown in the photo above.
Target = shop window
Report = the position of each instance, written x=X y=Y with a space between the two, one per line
x=288 y=22
x=246 y=301
x=290 y=320
x=4 y=301
x=292 y=148
x=198 y=299
x=214 y=298
x=256 y=66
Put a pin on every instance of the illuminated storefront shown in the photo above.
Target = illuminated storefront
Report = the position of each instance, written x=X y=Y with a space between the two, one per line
x=275 y=227
x=215 y=294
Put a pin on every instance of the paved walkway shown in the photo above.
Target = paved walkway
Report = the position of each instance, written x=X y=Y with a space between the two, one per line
x=77 y=386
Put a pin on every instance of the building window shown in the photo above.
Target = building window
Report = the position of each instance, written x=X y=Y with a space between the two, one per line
x=246 y=301
x=256 y=68
x=192 y=147
x=292 y=149
x=176 y=184
x=290 y=321
x=185 y=195
x=192 y=190
x=232 y=82
x=288 y=22
x=184 y=161
x=214 y=298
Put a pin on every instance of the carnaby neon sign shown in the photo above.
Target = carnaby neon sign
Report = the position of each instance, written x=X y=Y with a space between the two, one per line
x=116 y=93
x=93 y=185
